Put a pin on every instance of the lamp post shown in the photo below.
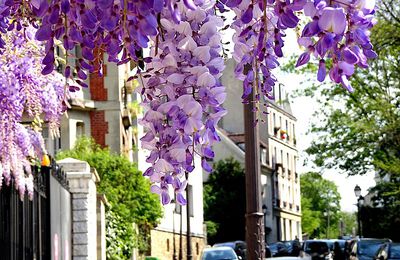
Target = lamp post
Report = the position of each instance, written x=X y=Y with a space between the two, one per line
x=360 y=202
x=173 y=230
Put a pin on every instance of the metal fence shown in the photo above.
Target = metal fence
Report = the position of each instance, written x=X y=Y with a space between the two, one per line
x=25 y=225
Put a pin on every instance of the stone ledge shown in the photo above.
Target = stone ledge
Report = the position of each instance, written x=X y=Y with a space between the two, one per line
x=74 y=165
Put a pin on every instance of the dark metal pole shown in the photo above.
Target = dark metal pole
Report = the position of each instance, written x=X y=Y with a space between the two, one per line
x=180 y=234
x=188 y=234
x=358 y=218
x=173 y=232
x=254 y=216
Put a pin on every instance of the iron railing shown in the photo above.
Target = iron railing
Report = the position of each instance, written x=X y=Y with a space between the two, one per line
x=25 y=224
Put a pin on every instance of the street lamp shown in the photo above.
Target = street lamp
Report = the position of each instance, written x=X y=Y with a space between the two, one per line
x=360 y=202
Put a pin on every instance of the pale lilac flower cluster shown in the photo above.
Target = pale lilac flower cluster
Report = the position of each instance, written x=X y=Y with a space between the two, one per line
x=106 y=26
x=24 y=94
x=258 y=42
x=339 y=31
x=182 y=96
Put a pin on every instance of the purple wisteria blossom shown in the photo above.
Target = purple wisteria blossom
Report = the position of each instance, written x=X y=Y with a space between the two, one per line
x=23 y=92
x=339 y=30
x=182 y=98
x=180 y=85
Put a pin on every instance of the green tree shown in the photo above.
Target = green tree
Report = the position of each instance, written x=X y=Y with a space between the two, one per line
x=349 y=220
x=320 y=201
x=127 y=191
x=360 y=132
x=224 y=202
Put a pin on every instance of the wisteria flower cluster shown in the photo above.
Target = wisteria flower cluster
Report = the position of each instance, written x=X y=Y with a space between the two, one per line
x=25 y=94
x=339 y=31
x=180 y=87
x=183 y=96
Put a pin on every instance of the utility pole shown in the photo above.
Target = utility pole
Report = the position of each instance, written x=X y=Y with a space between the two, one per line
x=254 y=216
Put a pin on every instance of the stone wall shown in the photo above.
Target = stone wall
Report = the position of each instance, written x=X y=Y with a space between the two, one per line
x=162 y=245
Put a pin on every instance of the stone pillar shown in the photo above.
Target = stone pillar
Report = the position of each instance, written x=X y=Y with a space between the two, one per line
x=82 y=183
x=101 y=226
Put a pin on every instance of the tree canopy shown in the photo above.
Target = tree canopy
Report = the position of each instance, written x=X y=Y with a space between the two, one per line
x=224 y=202
x=359 y=132
x=127 y=191
x=320 y=200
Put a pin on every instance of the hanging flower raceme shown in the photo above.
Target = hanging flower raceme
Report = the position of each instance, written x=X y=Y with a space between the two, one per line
x=96 y=27
x=339 y=31
x=182 y=97
x=258 y=43
x=24 y=93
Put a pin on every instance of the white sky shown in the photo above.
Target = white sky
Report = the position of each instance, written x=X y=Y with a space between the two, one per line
x=303 y=109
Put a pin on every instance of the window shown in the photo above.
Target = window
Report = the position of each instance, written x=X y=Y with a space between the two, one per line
x=167 y=244
x=80 y=129
x=264 y=156
x=287 y=161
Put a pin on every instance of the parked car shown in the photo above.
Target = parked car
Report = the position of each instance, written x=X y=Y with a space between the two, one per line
x=238 y=246
x=279 y=249
x=293 y=247
x=219 y=253
x=388 y=251
x=317 y=249
x=366 y=248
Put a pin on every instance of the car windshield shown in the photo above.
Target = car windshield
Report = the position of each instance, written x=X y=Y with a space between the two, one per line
x=232 y=245
x=369 y=248
x=395 y=251
x=316 y=247
x=224 y=254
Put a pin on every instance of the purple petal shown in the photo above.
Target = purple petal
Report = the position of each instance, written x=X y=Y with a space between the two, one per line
x=65 y=6
x=205 y=165
x=48 y=69
x=189 y=4
x=180 y=198
x=44 y=33
x=165 y=198
x=208 y=152
x=349 y=56
x=247 y=15
x=321 y=71
x=104 y=4
x=303 y=59
x=346 y=84
x=333 y=20
x=370 y=54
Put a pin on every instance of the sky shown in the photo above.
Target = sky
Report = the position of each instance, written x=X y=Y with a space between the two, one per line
x=303 y=108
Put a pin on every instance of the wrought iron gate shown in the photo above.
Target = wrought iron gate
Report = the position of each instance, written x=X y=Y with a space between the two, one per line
x=25 y=225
